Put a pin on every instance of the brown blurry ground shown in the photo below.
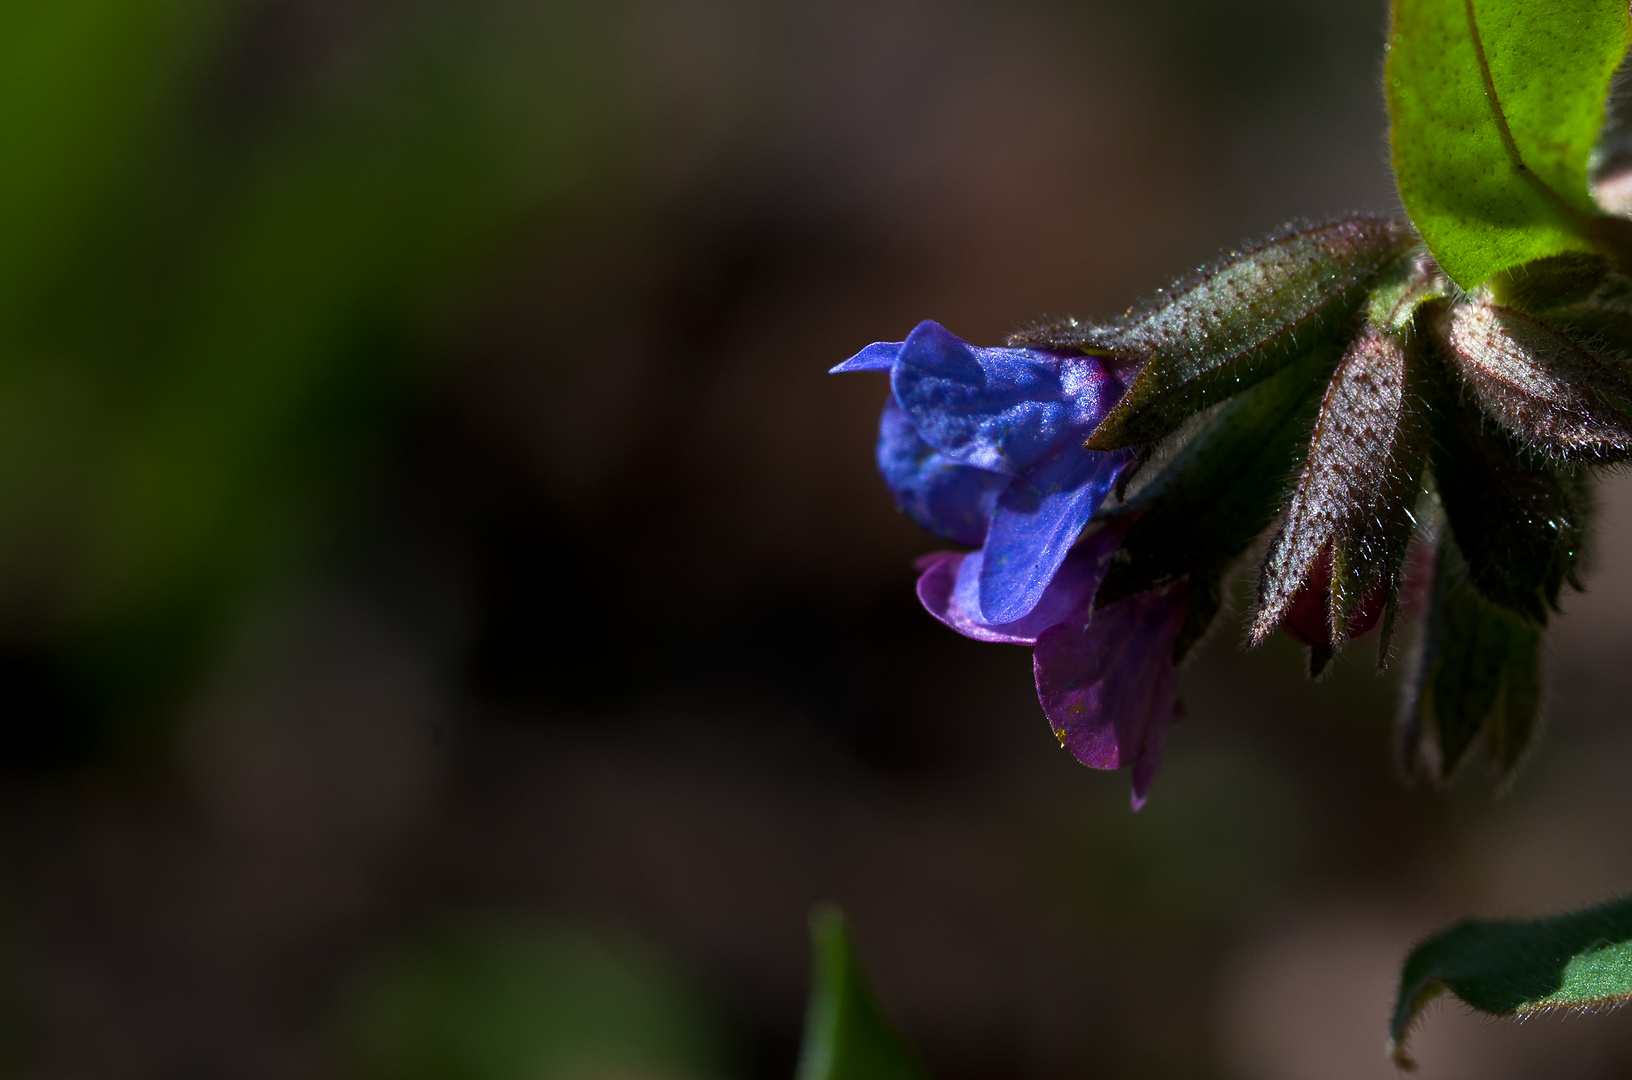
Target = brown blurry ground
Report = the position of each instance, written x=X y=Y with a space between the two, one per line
x=621 y=634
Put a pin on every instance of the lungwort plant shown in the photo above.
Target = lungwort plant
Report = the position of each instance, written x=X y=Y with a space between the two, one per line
x=1350 y=404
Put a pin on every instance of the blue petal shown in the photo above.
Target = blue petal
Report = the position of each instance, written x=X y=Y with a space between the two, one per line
x=879 y=356
x=948 y=499
x=999 y=409
x=1037 y=519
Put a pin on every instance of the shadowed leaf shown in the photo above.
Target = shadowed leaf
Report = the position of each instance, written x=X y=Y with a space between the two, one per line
x=1494 y=107
x=1601 y=320
x=1516 y=967
x=1206 y=339
x=1218 y=494
x=1549 y=283
x=1520 y=522
x=1479 y=673
x=847 y=1036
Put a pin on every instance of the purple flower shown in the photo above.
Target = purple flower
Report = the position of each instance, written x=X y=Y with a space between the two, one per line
x=985 y=446
x=1106 y=679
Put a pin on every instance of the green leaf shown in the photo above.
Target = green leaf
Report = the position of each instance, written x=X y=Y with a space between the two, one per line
x=1480 y=673
x=1211 y=337
x=1218 y=494
x=1581 y=961
x=847 y=1036
x=1494 y=106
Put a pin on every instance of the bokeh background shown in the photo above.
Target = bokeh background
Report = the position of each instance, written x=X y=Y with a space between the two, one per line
x=450 y=626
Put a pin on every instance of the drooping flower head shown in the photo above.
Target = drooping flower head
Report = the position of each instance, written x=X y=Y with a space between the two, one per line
x=1318 y=397
x=985 y=447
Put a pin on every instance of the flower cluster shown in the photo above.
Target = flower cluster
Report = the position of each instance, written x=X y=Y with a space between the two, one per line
x=1108 y=476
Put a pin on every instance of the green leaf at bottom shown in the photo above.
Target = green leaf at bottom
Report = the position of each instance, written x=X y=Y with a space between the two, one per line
x=1515 y=967
x=847 y=1036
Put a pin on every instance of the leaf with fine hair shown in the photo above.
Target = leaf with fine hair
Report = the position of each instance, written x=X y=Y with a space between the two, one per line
x=1217 y=495
x=847 y=1036
x=1211 y=337
x=1358 y=488
x=1479 y=673
x=1560 y=397
x=1581 y=961
x=1494 y=107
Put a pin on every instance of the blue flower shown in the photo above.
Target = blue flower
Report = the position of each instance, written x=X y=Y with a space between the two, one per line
x=985 y=447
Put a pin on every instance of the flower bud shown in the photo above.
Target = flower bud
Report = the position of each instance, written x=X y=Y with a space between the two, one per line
x=1308 y=619
x=1353 y=504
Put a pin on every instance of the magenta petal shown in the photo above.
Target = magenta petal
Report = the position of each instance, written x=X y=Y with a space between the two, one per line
x=949 y=589
x=1110 y=689
x=939 y=592
x=1144 y=770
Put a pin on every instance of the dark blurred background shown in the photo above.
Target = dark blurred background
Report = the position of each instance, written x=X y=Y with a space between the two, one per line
x=450 y=626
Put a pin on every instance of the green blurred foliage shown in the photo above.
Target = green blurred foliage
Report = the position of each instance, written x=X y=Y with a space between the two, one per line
x=513 y=999
x=847 y=1035
x=1226 y=836
x=221 y=273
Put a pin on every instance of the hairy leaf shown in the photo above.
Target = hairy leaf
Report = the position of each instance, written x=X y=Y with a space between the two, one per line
x=1520 y=522
x=1494 y=107
x=1402 y=290
x=1549 y=283
x=1581 y=961
x=847 y=1036
x=1556 y=395
x=1213 y=336
x=1479 y=673
x=1358 y=488
x=1217 y=495
x=1602 y=320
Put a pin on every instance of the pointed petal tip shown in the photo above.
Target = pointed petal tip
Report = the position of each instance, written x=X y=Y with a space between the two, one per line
x=1144 y=770
x=879 y=356
x=1320 y=658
